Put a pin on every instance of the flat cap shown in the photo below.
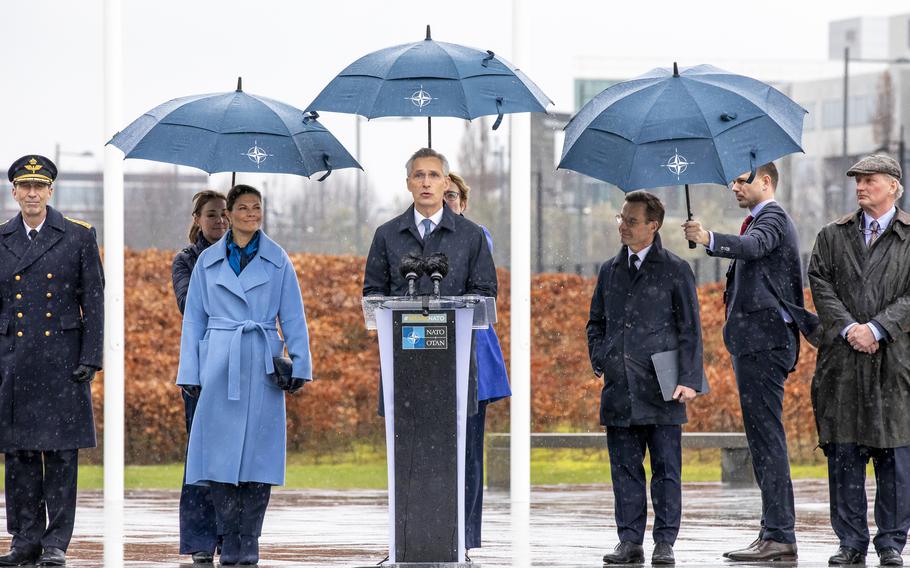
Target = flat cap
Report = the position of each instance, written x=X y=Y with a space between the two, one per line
x=876 y=164
x=32 y=168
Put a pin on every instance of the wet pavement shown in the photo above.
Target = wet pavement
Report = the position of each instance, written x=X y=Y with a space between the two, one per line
x=570 y=526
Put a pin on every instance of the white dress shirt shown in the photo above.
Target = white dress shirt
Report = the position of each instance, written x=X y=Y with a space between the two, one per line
x=435 y=218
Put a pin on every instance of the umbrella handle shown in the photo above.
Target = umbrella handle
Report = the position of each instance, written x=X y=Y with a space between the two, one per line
x=692 y=244
x=498 y=111
x=488 y=58
x=328 y=167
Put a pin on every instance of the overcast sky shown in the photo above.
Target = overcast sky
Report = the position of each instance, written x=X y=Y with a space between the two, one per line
x=51 y=56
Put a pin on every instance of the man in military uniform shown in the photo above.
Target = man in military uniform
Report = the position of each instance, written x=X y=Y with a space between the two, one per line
x=51 y=326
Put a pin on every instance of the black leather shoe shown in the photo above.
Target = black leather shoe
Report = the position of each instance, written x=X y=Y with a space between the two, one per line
x=663 y=554
x=626 y=553
x=766 y=551
x=847 y=555
x=19 y=556
x=203 y=558
x=755 y=543
x=52 y=557
x=890 y=557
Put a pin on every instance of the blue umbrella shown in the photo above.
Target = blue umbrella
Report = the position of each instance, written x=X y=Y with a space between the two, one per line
x=430 y=78
x=234 y=132
x=701 y=125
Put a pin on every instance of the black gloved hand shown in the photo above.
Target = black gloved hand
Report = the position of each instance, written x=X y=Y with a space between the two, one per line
x=295 y=385
x=83 y=374
x=192 y=391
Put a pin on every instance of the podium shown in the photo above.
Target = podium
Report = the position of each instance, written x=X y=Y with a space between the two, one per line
x=425 y=357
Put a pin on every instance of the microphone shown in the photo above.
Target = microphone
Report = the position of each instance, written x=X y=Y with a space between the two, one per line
x=437 y=266
x=411 y=269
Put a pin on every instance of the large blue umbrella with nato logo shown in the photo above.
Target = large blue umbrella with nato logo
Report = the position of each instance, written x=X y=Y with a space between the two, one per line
x=431 y=78
x=670 y=127
x=234 y=132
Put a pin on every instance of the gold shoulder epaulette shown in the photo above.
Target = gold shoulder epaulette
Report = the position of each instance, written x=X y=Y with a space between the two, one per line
x=78 y=222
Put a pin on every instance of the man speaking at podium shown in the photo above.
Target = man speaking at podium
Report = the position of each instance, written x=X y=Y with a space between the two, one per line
x=429 y=226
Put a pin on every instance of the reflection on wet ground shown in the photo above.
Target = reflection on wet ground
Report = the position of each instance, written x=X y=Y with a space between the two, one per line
x=570 y=526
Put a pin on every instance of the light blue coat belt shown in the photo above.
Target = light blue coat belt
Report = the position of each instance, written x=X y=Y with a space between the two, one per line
x=239 y=328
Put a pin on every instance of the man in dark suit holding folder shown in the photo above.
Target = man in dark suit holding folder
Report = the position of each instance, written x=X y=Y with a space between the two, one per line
x=644 y=330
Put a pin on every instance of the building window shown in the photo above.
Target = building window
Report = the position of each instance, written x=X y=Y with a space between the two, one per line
x=832 y=113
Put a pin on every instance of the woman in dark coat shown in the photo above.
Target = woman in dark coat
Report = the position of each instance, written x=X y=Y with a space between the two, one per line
x=492 y=385
x=198 y=532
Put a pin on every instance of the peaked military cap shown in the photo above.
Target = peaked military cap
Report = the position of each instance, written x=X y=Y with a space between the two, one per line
x=33 y=167
x=876 y=164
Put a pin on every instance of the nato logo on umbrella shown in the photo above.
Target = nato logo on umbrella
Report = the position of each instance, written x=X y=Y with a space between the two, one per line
x=421 y=98
x=257 y=154
x=677 y=164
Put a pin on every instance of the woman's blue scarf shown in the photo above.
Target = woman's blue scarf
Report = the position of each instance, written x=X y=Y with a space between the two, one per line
x=239 y=257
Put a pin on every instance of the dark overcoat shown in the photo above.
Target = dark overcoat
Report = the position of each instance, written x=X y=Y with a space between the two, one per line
x=51 y=321
x=859 y=398
x=182 y=268
x=471 y=268
x=765 y=276
x=633 y=318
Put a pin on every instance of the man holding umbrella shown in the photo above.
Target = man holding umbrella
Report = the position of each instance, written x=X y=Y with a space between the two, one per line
x=860 y=279
x=51 y=327
x=764 y=309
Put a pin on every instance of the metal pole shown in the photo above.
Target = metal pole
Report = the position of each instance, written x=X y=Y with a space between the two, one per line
x=539 y=220
x=358 y=208
x=846 y=99
x=114 y=371
x=520 y=253
x=520 y=165
x=429 y=132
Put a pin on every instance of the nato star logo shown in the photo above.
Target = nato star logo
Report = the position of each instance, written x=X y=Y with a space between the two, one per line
x=257 y=154
x=677 y=164
x=420 y=98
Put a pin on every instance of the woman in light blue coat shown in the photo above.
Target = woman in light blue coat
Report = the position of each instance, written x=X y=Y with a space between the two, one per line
x=242 y=288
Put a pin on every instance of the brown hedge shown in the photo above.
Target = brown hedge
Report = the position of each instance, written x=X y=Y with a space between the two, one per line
x=339 y=408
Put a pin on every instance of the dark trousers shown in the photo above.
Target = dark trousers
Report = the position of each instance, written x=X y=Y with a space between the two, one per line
x=473 y=476
x=240 y=509
x=41 y=498
x=847 y=487
x=627 y=456
x=760 y=379
x=198 y=532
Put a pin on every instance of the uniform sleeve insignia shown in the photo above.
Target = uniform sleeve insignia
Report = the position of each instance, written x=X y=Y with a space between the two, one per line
x=78 y=222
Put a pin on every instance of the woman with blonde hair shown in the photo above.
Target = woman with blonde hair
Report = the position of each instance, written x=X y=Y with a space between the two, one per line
x=492 y=385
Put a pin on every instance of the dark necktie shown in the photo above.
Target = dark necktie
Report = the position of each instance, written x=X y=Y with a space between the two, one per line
x=875 y=231
x=426 y=224
x=633 y=268
x=32 y=235
x=745 y=225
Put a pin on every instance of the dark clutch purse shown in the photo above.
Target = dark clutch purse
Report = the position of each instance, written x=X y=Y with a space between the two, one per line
x=283 y=369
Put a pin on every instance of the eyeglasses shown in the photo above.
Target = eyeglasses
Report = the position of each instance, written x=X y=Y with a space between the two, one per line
x=451 y=196
x=738 y=182
x=630 y=222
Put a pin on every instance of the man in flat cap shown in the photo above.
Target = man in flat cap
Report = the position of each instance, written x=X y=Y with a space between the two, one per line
x=51 y=326
x=860 y=279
